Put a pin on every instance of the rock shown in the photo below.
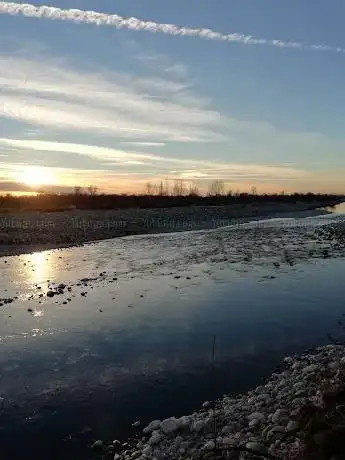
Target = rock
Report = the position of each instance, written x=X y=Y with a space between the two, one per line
x=154 y=425
x=279 y=413
x=291 y=426
x=206 y=404
x=226 y=429
x=257 y=447
x=334 y=365
x=50 y=294
x=184 y=421
x=117 y=457
x=298 y=386
x=169 y=425
x=278 y=429
x=254 y=423
x=310 y=369
x=198 y=426
x=228 y=441
x=256 y=416
x=97 y=444
x=178 y=440
x=209 y=445
x=155 y=439
x=184 y=445
x=147 y=450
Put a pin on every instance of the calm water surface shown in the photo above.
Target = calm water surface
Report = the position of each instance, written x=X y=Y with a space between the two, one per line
x=139 y=347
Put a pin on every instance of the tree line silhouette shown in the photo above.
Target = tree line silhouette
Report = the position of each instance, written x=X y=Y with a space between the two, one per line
x=160 y=195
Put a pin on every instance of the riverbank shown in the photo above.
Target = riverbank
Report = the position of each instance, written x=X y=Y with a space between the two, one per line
x=29 y=232
x=297 y=414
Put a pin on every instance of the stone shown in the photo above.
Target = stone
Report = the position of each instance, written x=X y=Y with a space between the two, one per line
x=147 y=450
x=136 y=424
x=155 y=439
x=279 y=413
x=154 y=425
x=256 y=416
x=184 y=421
x=198 y=426
x=209 y=445
x=291 y=426
x=310 y=369
x=97 y=444
x=257 y=447
x=228 y=441
x=333 y=365
x=226 y=429
x=169 y=425
x=278 y=429
x=254 y=423
x=184 y=445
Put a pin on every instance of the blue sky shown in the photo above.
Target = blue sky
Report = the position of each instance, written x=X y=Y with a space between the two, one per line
x=118 y=106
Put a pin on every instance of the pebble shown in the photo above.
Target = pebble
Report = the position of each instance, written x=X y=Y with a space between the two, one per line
x=154 y=425
x=256 y=416
x=169 y=425
x=257 y=447
x=309 y=369
x=209 y=445
x=147 y=450
x=258 y=420
x=155 y=439
x=97 y=444
x=291 y=426
x=198 y=426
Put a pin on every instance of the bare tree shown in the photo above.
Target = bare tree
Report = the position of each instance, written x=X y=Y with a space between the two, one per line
x=92 y=189
x=254 y=191
x=149 y=188
x=166 y=187
x=216 y=188
x=193 y=190
x=163 y=188
x=77 y=190
x=179 y=188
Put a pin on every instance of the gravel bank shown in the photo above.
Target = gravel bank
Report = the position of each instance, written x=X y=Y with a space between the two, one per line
x=33 y=231
x=297 y=413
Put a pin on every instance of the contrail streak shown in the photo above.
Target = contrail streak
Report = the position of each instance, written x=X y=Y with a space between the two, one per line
x=120 y=22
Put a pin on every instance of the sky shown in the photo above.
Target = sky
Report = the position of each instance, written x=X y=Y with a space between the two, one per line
x=119 y=94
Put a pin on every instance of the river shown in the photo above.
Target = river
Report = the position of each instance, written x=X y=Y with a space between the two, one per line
x=132 y=336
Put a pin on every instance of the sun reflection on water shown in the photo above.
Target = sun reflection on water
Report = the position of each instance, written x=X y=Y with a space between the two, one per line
x=40 y=267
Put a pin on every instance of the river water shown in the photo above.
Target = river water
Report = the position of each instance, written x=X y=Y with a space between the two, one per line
x=132 y=337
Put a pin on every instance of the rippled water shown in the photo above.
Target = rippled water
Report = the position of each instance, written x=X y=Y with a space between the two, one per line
x=137 y=344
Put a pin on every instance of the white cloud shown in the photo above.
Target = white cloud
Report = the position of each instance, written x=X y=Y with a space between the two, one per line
x=190 y=167
x=51 y=93
x=144 y=144
x=119 y=22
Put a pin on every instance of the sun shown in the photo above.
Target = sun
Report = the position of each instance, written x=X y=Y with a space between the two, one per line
x=36 y=176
